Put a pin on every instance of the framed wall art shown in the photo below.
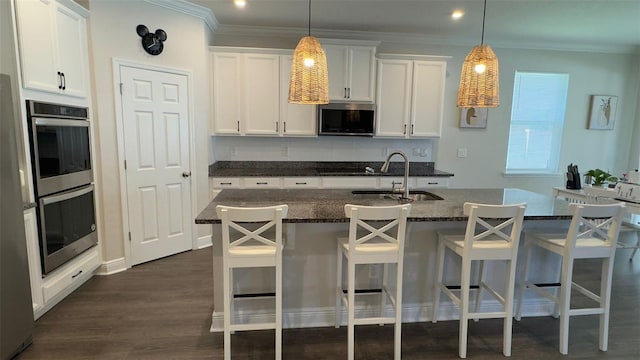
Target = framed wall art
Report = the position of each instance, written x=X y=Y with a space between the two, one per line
x=474 y=117
x=602 y=114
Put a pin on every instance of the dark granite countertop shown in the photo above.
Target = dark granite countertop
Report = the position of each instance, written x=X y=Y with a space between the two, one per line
x=318 y=168
x=309 y=206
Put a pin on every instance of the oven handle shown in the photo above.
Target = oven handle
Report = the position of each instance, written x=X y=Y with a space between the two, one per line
x=66 y=196
x=61 y=122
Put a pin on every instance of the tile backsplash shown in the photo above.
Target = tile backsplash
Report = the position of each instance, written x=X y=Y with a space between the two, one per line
x=323 y=148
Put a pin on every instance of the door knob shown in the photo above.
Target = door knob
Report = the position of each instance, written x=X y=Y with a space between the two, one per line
x=186 y=174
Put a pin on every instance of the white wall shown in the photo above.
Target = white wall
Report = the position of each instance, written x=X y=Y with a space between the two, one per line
x=590 y=74
x=113 y=35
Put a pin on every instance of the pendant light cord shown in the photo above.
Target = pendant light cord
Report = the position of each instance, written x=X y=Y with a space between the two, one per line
x=310 y=17
x=484 y=15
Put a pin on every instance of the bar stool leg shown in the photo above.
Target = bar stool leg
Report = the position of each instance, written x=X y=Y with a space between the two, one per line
x=464 y=306
x=565 y=298
x=397 y=346
x=338 y=317
x=228 y=296
x=384 y=287
x=278 y=320
x=508 y=308
x=478 y=299
x=605 y=301
x=524 y=277
x=351 y=309
x=439 y=274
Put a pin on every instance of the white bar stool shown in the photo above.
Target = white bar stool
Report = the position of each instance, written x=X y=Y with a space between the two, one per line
x=249 y=241
x=593 y=234
x=481 y=241
x=370 y=243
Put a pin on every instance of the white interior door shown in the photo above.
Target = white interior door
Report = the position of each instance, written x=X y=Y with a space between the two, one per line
x=155 y=116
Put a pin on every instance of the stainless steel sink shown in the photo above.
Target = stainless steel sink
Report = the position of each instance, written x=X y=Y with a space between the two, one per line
x=415 y=195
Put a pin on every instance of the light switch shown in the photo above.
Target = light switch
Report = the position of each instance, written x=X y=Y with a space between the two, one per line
x=462 y=152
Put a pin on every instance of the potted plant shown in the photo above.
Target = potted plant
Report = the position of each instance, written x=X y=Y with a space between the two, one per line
x=599 y=177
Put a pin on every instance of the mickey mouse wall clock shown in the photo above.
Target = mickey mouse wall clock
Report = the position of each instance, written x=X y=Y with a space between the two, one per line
x=152 y=43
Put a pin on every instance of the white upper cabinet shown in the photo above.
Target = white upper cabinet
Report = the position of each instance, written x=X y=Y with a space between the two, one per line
x=295 y=119
x=53 y=47
x=246 y=93
x=351 y=72
x=410 y=97
x=261 y=94
x=250 y=96
x=227 y=88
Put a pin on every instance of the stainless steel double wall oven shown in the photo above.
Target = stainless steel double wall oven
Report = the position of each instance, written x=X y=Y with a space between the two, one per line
x=60 y=145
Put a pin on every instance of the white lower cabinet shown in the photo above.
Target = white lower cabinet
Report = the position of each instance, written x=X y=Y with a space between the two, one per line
x=226 y=183
x=387 y=182
x=33 y=255
x=349 y=182
x=48 y=291
x=263 y=183
x=324 y=182
x=301 y=182
x=432 y=182
x=71 y=275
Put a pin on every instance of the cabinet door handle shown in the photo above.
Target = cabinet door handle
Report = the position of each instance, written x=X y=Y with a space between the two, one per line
x=238 y=125
x=276 y=126
x=59 y=80
x=64 y=82
x=412 y=129
x=432 y=183
x=301 y=183
x=404 y=132
x=284 y=126
x=345 y=93
x=348 y=93
x=262 y=183
x=225 y=183
x=77 y=274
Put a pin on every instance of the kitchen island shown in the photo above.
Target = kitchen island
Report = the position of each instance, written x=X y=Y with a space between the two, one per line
x=316 y=218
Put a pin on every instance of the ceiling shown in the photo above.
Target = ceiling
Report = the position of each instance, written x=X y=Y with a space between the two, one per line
x=585 y=25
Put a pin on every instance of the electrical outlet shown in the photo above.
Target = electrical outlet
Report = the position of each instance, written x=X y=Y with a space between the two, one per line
x=462 y=152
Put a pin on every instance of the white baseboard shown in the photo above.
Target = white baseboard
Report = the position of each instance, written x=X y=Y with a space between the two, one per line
x=112 y=267
x=322 y=317
x=204 y=241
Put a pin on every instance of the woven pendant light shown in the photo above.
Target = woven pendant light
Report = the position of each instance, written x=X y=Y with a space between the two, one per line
x=309 y=82
x=479 y=80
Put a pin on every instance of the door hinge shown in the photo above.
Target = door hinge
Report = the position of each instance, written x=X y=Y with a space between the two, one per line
x=129 y=235
x=121 y=86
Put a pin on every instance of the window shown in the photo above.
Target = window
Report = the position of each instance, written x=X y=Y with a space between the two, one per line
x=537 y=119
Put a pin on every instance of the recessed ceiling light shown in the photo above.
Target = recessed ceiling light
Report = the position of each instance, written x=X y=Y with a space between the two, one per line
x=457 y=14
x=240 y=3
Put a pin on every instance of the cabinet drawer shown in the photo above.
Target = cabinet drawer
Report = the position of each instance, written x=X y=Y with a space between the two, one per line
x=301 y=182
x=260 y=183
x=224 y=183
x=349 y=182
x=75 y=271
x=386 y=182
x=432 y=182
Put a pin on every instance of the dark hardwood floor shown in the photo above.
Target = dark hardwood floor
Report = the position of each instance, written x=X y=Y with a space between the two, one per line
x=162 y=310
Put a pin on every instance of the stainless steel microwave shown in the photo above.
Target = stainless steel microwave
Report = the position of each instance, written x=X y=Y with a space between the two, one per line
x=347 y=119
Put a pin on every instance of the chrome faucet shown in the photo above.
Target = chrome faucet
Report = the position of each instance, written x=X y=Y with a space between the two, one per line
x=385 y=168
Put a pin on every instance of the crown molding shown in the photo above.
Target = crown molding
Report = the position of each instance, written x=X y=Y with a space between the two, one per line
x=420 y=39
x=191 y=9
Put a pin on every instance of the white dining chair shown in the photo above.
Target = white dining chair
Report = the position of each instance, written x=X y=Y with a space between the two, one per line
x=492 y=233
x=628 y=224
x=251 y=238
x=376 y=236
x=593 y=234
